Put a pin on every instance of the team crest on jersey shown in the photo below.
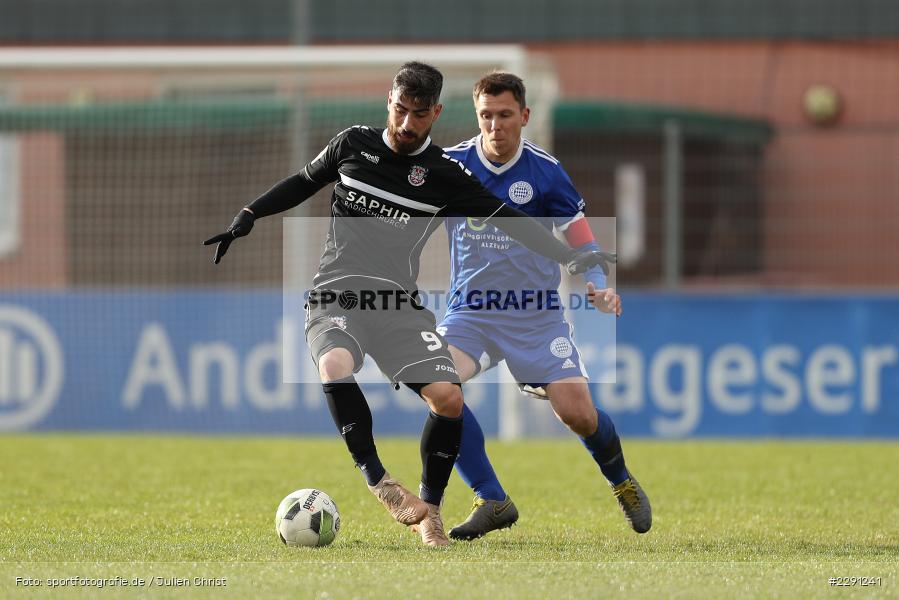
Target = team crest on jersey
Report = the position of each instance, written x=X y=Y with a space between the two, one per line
x=560 y=347
x=417 y=175
x=521 y=192
x=339 y=321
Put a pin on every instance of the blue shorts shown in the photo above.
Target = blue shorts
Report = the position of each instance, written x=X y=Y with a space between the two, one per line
x=537 y=351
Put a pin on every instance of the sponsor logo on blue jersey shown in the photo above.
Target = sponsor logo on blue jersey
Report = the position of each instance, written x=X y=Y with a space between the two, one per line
x=483 y=256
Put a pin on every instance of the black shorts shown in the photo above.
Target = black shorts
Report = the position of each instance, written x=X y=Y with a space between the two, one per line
x=399 y=335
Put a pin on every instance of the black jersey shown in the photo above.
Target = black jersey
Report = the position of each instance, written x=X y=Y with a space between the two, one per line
x=402 y=199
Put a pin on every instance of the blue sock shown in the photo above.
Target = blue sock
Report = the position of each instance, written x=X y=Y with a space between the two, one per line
x=605 y=447
x=472 y=463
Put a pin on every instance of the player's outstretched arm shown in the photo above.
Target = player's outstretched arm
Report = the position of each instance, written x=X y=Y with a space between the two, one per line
x=474 y=200
x=534 y=236
x=240 y=226
x=284 y=195
x=578 y=234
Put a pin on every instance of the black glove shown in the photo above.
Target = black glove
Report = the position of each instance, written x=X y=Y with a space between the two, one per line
x=240 y=226
x=582 y=260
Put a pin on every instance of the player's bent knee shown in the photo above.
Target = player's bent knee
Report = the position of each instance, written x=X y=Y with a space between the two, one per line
x=573 y=406
x=578 y=414
x=335 y=364
x=443 y=398
x=581 y=422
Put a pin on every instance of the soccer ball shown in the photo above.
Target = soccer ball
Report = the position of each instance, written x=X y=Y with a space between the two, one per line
x=307 y=517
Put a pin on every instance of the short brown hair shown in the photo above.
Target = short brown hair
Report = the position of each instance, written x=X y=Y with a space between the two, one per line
x=418 y=82
x=494 y=84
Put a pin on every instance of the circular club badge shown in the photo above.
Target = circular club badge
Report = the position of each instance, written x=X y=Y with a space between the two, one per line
x=521 y=192
x=560 y=347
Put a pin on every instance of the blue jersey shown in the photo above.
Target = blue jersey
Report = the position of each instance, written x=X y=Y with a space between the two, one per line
x=484 y=259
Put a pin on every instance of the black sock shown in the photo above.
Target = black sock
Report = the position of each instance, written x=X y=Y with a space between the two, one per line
x=440 y=441
x=352 y=416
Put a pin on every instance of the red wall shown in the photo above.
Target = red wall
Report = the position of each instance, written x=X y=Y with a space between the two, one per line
x=831 y=199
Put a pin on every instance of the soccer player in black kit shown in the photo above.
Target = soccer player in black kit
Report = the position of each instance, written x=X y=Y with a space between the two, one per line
x=393 y=189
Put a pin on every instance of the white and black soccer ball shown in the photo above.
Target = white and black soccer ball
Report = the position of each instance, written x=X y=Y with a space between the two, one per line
x=307 y=517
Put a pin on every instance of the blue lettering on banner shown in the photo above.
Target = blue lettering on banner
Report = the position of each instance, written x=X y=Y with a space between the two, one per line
x=685 y=366
x=750 y=366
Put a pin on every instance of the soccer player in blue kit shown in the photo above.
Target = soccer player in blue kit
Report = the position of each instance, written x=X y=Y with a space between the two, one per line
x=535 y=341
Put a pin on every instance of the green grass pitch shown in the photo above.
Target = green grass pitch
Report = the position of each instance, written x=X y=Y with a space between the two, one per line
x=731 y=519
